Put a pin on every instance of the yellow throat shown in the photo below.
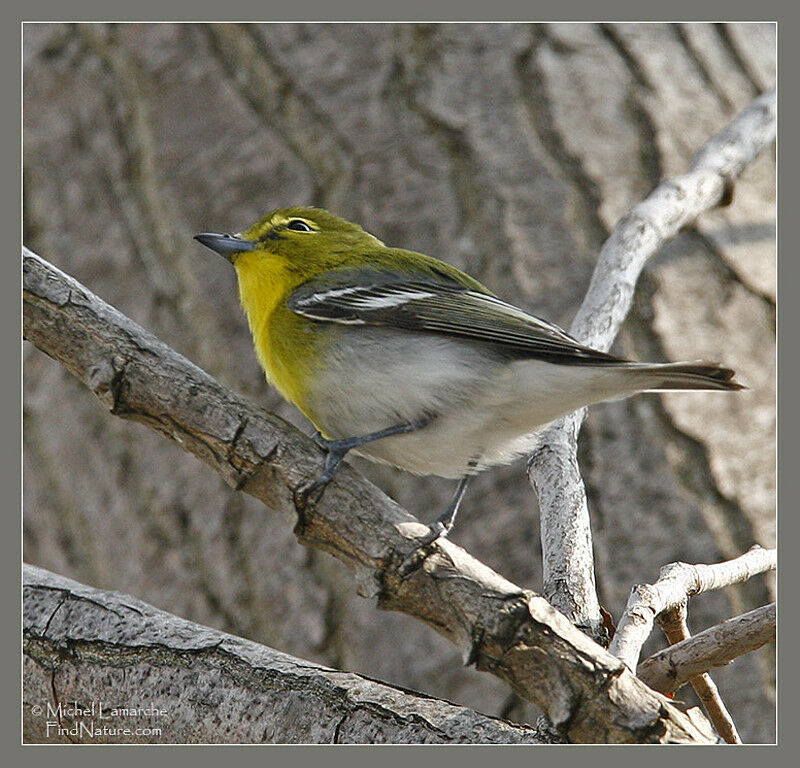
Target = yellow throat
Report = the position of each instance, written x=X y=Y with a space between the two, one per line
x=264 y=285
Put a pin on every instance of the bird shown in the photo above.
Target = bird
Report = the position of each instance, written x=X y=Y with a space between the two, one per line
x=403 y=359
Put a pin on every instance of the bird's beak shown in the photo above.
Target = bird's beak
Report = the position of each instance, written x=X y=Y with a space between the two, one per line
x=225 y=245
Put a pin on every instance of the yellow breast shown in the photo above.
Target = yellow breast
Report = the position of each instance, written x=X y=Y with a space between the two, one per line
x=285 y=344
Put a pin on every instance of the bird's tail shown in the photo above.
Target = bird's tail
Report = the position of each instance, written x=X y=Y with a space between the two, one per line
x=697 y=374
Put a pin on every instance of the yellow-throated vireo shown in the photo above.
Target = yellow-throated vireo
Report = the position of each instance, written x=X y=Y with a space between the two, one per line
x=406 y=360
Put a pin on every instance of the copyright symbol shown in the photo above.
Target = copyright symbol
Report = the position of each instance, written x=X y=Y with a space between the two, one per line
x=36 y=710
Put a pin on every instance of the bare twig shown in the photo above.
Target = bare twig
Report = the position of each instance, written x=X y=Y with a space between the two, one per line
x=676 y=582
x=553 y=468
x=502 y=629
x=669 y=669
x=673 y=622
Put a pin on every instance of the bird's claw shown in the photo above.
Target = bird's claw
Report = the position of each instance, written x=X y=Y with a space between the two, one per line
x=438 y=530
x=422 y=549
x=303 y=494
x=319 y=440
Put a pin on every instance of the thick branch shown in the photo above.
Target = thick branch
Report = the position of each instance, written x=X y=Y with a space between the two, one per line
x=503 y=629
x=553 y=467
x=676 y=583
x=90 y=646
x=669 y=669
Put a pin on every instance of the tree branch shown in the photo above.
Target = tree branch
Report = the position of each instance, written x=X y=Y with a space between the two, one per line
x=502 y=629
x=677 y=582
x=669 y=669
x=196 y=684
x=673 y=622
x=568 y=560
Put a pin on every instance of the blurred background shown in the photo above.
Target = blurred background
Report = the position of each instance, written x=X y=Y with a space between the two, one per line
x=509 y=150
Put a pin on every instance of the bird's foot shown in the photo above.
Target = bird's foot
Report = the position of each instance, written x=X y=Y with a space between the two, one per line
x=416 y=557
x=336 y=450
x=438 y=530
x=312 y=492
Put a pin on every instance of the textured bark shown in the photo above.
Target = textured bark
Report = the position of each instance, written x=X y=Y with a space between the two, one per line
x=510 y=150
x=105 y=652
x=512 y=633
x=666 y=600
x=676 y=630
x=668 y=670
x=676 y=583
x=569 y=582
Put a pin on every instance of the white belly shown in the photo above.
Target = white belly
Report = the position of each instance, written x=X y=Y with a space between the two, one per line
x=485 y=407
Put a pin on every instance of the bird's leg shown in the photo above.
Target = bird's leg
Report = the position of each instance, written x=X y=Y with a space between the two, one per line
x=336 y=450
x=441 y=526
x=444 y=523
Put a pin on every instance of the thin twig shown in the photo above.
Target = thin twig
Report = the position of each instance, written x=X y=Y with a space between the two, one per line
x=676 y=582
x=673 y=623
x=553 y=468
x=670 y=668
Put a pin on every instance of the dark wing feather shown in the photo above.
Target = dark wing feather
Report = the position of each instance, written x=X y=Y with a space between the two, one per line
x=444 y=307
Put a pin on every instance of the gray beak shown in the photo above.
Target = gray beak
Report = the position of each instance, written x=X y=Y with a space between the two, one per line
x=225 y=245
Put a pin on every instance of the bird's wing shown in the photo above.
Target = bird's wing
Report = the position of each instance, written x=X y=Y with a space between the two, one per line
x=438 y=306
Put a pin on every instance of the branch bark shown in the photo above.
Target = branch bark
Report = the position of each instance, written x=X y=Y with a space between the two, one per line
x=507 y=631
x=676 y=583
x=569 y=582
x=668 y=670
x=192 y=684
x=673 y=622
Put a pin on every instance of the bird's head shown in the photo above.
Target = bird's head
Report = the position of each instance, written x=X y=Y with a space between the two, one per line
x=295 y=235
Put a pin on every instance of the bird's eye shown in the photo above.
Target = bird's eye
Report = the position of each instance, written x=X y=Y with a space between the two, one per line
x=298 y=226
